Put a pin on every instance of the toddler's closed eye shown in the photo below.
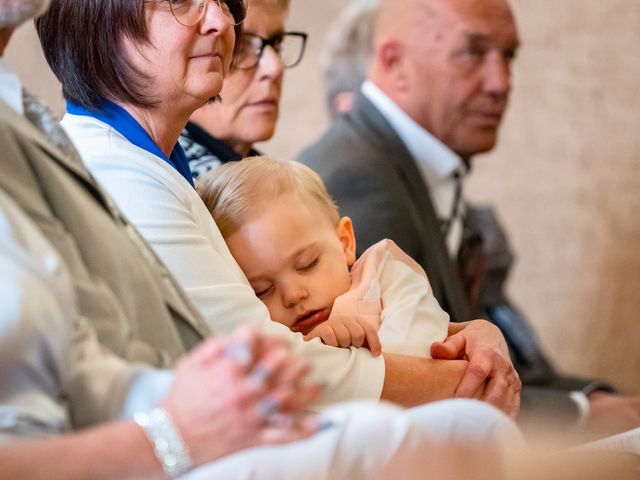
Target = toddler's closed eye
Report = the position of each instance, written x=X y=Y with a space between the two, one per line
x=309 y=265
x=263 y=291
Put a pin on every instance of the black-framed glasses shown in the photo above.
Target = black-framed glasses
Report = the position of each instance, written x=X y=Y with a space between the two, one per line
x=190 y=12
x=288 y=45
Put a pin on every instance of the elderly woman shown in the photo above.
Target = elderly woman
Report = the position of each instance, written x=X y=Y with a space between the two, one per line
x=131 y=89
x=226 y=131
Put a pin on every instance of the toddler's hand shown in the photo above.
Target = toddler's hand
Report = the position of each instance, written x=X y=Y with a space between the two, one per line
x=346 y=331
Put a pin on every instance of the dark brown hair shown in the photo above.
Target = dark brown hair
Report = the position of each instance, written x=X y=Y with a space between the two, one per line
x=82 y=42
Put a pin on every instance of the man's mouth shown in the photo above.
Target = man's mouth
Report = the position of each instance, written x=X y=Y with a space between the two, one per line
x=486 y=119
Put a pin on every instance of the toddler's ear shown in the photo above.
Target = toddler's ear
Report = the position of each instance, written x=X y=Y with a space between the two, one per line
x=347 y=238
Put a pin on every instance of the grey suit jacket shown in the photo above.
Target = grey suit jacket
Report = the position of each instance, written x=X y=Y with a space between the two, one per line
x=375 y=181
x=123 y=289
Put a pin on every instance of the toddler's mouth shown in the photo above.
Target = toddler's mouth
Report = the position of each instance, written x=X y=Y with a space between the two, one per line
x=307 y=321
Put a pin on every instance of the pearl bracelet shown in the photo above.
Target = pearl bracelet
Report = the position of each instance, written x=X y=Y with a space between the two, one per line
x=167 y=443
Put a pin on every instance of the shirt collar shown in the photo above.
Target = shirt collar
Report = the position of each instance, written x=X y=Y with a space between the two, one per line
x=10 y=88
x=440 y=161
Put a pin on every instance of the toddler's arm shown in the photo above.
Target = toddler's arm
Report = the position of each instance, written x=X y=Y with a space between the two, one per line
x=411 y=318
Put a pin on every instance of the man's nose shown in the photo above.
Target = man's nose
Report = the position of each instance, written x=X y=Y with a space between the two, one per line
x=497 y=75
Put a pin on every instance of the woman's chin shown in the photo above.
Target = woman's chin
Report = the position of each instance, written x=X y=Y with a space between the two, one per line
x=263 y=131
x=207 y=90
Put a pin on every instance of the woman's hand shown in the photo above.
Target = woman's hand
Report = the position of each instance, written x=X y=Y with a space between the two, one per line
x=238 y=392
x=484 y=346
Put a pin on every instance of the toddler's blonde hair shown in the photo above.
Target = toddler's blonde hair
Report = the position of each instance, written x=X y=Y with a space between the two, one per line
x=236 y=190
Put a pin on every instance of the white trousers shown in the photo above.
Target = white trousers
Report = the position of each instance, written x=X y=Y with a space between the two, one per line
x=364 y=438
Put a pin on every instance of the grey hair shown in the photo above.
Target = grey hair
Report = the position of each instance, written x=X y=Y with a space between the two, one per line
x=15 y=12
x=348 y=49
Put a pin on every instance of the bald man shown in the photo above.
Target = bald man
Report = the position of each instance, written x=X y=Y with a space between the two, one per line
x=436 y=90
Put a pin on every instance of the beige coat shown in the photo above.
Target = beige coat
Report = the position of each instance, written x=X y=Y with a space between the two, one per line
x=128 y=295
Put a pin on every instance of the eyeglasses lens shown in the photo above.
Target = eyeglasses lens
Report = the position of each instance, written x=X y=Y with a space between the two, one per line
x=289 y=47
x=190 y=12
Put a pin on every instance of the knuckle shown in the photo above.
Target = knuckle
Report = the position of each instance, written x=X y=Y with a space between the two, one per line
x=478 y=370
x=489 y=351
x=517 y=384
x=329 y=337
x=358 y=338
x=236 y=399
x=235 y=407
x=499 y=401
x=487 y=324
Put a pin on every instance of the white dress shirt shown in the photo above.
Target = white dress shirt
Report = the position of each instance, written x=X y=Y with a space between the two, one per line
x=437 y=163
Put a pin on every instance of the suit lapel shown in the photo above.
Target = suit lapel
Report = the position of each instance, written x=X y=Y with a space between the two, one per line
x=373 y=125
x=77 y=170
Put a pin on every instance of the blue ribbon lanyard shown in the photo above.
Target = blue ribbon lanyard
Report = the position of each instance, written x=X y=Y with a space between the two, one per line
x=120 y=120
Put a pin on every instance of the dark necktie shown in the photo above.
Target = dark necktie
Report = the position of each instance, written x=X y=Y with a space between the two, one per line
x=447 y=223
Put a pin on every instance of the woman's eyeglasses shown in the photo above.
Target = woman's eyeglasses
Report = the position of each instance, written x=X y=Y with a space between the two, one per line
x=190 y=12
x=288 y=45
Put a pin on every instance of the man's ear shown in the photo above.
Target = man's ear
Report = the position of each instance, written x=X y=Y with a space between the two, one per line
x=391 y=63
x=347 y=238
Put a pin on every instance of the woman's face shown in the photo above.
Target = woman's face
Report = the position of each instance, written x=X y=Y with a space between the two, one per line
x=186 y=65
x=250 y=98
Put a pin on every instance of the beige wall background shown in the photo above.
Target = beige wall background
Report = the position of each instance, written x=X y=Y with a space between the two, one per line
x=565 y=177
